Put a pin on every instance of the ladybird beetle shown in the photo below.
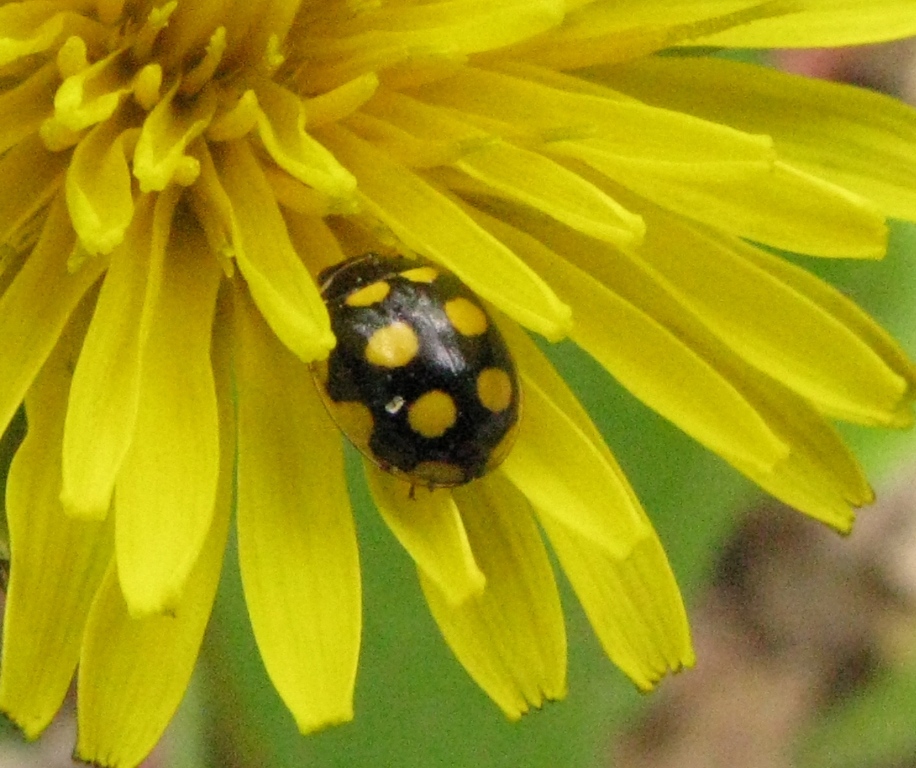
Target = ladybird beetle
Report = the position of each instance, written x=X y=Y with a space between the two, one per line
x=421 y=381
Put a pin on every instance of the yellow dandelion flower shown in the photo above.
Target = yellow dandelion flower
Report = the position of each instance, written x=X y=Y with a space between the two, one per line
x=175 y=175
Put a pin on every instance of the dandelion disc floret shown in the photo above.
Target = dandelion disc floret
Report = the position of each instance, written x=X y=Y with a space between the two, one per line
x=174 y=176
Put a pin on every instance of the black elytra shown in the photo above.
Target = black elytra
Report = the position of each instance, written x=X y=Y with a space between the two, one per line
x=421 y=380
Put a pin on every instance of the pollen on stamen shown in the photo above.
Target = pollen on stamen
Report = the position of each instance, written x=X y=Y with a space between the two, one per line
x=71 y=57
x=203 y=72
x=235 y=122
x=157 y=20
x=147 y=86
x=273 y=56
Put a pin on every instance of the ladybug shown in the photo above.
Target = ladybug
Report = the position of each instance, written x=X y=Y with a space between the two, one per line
x=421 y=380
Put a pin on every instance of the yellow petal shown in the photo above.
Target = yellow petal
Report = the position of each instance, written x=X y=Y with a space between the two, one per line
x=314 y=241
x=334 y=105
x=234 y=120
x=23 y=108
x=654 y=363
x=160 y=156
x=274 y=20
x=429 y=527
x=297 y=543
x=511 y=638
x=89 y=96
x=559 y=467
x=782 y=206
x=244 y=25
x=817 y=473
x=30 y=28
x=699 y=168
x=407 y=149
x=382 y=36
x=213 y=208
x=554 y=107
x=632 y=29
x=468 y=26
x=814 y=471
x=510 y=171
x=846 y=311
x=822 y=23
x=36 y=306
x=167 y=485
x=633 y=603
x=204 y=68
x=431 y=223
x=856 y=138
x=539 y=182
x=99 y=193
x=631 y=597
x=105 y=391
x=190 y=27
x=821 y=476
x=133 y=672
x=29 y=177
x=776 y=328
x=57 y=562
x=802 y=23
x=281 y=126
x=417 y=134
x=279 y=283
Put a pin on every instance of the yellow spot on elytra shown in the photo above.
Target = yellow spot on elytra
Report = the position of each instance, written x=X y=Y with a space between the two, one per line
x=466 y=316
x=355 y=421
x=494 y=388
x=431 y=414
x=369 y=295
x=392 y=346
x=420 y=274
x=438 y=473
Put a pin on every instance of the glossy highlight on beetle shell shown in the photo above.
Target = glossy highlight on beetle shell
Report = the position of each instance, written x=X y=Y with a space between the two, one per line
x=421 y=381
